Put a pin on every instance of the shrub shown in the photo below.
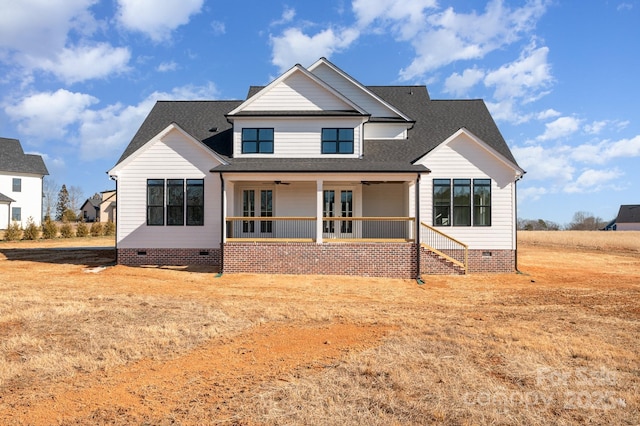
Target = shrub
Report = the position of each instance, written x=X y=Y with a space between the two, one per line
x=69 y=215
x=96 y=229
x=49 y=229
x=82 y=230
x=13 y=232
x=109 y=229
x=31 y=231
x=66 y=230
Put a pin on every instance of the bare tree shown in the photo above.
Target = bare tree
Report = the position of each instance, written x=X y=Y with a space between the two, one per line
x=585 y=221
x=76 y=198
x=50 y=190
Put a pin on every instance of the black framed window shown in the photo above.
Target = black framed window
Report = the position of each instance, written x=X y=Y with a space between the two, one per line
x=337 y=141
x=155 y=202
x=17 y=185
x=455 y=204
x=462 y=202
x=175 y=202
x=442 y=202
x=482 y=202
x=257 y=141
x=195 y=202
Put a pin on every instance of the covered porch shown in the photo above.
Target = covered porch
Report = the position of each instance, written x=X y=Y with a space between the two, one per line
x=323 y=209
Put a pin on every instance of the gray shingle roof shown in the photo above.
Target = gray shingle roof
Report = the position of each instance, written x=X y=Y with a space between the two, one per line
x=5 y=199
x=435 y=121
x=14 y=160
x=629 y=213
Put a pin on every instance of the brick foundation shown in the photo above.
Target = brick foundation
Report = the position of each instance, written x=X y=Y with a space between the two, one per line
x=359 y=259
x=396 y=260
x=169 y=256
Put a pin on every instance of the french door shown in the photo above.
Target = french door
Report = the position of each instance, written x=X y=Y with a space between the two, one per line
x=251 y=204
x=339 y=204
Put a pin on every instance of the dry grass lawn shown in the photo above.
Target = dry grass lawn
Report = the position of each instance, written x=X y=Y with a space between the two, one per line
x=83 y=341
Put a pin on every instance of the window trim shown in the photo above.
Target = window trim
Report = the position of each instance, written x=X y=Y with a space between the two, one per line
x=337 y=140
x=15 y=210
x=155 y=206
x=485 y=184
x=452 y=207
x=172 y=218
x=189 y=219
x=16 y=184
x=457 y=208
x=258 y=140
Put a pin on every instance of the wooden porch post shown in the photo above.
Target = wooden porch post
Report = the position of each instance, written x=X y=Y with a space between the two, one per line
x=319 y=210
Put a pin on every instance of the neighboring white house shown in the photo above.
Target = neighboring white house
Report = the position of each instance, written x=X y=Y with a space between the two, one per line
x=317 y=173
x=21 y=178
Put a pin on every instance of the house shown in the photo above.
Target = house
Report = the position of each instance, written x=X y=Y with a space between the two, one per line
x=628 y=218
x=100 y=208
x=21 y=177
x=316 y=173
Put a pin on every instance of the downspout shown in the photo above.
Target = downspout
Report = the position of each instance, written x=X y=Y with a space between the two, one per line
x=222 y=226
x=418 y=276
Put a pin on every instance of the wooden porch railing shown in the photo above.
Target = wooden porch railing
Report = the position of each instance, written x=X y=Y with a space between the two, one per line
x=445 y=246
x=334 y=229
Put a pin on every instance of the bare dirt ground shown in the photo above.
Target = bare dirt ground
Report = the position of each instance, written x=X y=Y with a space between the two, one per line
x=83 y=341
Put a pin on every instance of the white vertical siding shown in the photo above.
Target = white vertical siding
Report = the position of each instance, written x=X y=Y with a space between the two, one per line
x=298 y=93
x=353 y=92
x=29 y=199
x=172 y=157
x=463 y=158
x=298 y=137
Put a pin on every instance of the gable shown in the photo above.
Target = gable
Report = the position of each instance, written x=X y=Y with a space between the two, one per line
x=464 y=154
x=172 y=148
x=297 y=90
x=629 y=213
x=352 y=89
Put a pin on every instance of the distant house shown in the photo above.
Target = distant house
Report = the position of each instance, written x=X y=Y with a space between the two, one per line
x=21 y=178
x=316 y=173
x=101 y=208
x=628 y=218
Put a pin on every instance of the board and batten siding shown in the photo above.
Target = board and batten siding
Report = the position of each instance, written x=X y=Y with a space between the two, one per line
x=172 y=157
x=297 y=137
x=462 y=158
x=364 y=100
x=297 y=93
x=29 y=199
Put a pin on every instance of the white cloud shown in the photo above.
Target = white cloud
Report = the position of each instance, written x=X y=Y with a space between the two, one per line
x=606 y=150
x=548 y=113
x=96 y=132
x=86 y=62
x=405 y=17
x=287 y=16
x=552 y=165
x=167 y=66
x=460 y=84
x=154 y=19
x=560 y=128
x=532 y=193
x=523 y=78
x=592 y=180
x=48 y=114
x=293 y=46
x=218 y=27
x=40 y=27
x=452 y=36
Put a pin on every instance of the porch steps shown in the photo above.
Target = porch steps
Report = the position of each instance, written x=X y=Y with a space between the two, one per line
x=433 y=263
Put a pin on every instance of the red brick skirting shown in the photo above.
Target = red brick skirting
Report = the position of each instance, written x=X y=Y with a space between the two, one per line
x=396 y=260
x=169 y=256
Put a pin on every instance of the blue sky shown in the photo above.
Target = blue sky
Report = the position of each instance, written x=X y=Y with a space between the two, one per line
x=78 y=77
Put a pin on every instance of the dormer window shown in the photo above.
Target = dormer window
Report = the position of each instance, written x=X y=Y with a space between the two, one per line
x=257 y=141
x=337 y=141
